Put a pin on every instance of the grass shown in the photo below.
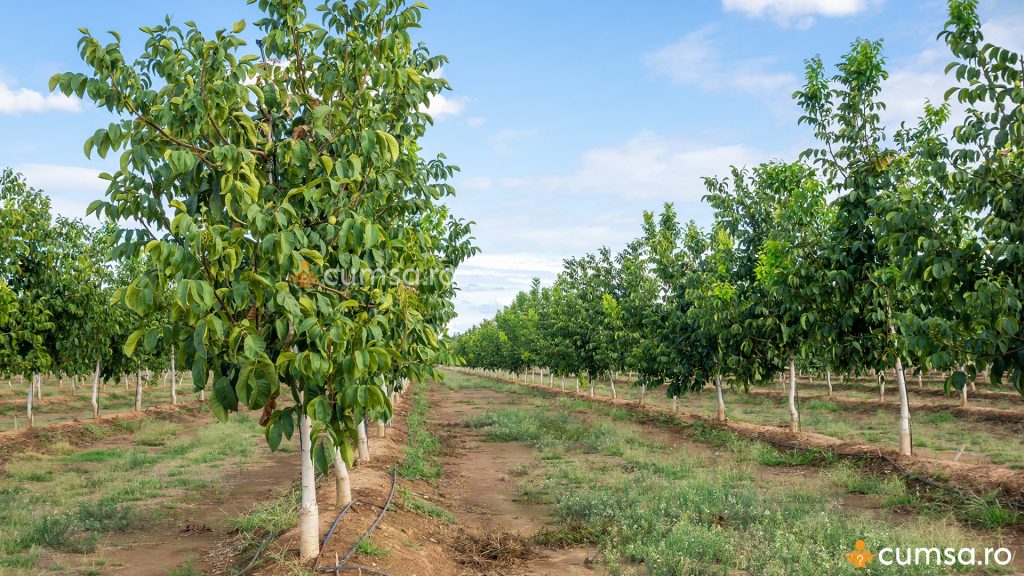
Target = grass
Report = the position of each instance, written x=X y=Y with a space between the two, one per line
x=61 y=500
x=413 y=503
x=941 y=431
x=679 y=512
x=270 y=516
x=370 y=548
x=420 y=461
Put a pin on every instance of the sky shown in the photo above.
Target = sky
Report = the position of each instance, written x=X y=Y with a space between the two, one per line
x=567 y=119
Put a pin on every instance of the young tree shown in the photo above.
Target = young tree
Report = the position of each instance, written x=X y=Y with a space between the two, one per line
x=255 y=179
x=30 y=281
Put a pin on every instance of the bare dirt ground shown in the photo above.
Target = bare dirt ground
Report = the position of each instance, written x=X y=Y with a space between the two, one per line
x=476 y=487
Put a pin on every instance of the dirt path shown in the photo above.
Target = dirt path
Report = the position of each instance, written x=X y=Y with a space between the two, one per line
x=480 y=485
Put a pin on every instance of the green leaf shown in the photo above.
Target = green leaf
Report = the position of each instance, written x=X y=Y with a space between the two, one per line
x=390 y=143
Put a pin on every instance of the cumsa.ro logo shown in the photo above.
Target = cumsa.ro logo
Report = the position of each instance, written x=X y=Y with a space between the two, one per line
x=860 y=556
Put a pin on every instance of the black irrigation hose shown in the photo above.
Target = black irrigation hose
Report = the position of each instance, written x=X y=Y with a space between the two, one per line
x=360 y=569
x=263 y=546
x=336 y=522
x=342 y=563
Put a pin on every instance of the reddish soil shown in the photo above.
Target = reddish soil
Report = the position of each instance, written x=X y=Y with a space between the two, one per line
x=201 y=529
x=476 y=487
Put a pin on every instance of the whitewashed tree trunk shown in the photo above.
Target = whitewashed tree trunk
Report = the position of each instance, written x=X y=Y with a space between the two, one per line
x=643 y=394
x=381 y=429
x=364 y=446
x=611 y=381
x=828 y=380
x=74 y=385
x=675 y=403
x=906 y=444
x=577 y=383
x=721 y=400
x=309 y=513
x=593 y=384
x=174 y=380
x=881 y=387
x=342 y=485
x=920 y=378
x=28 y=408
x=963 y=397
x=138 y=393
x=794 y=413
x=95 y=401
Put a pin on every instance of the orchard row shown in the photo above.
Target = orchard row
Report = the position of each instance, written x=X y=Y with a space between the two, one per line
x=875 y=250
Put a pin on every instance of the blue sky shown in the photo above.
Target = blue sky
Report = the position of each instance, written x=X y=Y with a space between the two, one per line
x=568 y=118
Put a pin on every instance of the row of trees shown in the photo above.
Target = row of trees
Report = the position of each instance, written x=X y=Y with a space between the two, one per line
x=873 y=251
x=249 y=185
x=57 y=283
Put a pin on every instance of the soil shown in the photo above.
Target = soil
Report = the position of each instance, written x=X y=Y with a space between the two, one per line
x=201 y=530
x=977 y=478
x=476 y=486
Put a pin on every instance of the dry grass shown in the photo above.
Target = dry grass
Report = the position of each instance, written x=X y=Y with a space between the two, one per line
x=490 y=552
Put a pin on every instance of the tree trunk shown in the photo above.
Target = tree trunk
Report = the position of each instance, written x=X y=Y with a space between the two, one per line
x=920 y=378
x=675 y=403
x=138 y=393
x=174 y=380
x=342 y=485
x=74 y=385
x=309 y=513
x=905 y=437
x=381 y=429
x=794 y=413
x=881 y=387
x=828 y=380
x=31 y=394
x=963 y=397
x=364 y=446
x=593 y=384
x=721 y=400
x=96 y=391
x=577 y=383
x=643 y=394
x=611 y=380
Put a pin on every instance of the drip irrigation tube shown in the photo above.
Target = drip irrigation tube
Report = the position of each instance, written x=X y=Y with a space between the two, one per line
x=270 y=538
x=341 y=565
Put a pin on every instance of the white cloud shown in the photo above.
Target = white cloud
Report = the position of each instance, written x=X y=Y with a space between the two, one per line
x=14 y=102
x=477 y=183
x=695 y=60
x=476 y=122
x=442 y=107
x=921 y=77
x=490 y=281
x=506 y=141
x=71 y=188
x=645 y=166
x=799 y=13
